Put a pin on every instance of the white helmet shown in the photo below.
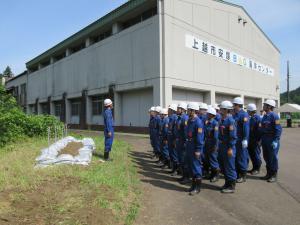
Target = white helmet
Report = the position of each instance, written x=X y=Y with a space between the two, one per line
x=238 y=101
x=216 y=106
x=152 y=109
x=164 y=111
x=182 y=105
x=251 y=107
x=157 y=109
x=203 y=106
x=173 y=107
x=270 y=102
x=226 y=105
x=107 y=102
x=212 y=111
x=193 y=105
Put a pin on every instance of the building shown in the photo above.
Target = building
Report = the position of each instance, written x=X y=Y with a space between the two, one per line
x=153 y=52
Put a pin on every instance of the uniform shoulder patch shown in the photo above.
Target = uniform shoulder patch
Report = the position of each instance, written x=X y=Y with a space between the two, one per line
x=277 y=122
x=231 y=127
x=200 y=130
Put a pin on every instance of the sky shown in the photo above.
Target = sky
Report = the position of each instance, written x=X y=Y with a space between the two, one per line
x=28 y=28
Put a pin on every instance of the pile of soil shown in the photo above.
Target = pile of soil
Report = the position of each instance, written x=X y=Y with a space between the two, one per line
x=72 y=148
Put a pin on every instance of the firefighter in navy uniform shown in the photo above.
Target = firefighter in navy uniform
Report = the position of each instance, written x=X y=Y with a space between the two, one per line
x=254 y=139
x=270 y=130
x=108 y=128
x=194 y=147
x=242 y=125
x=227 y=150
x=180 y=135
x=172 y=111
x=151 y=127
x=211 y=133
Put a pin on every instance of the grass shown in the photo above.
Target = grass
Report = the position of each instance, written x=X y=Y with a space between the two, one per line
x=69 y=194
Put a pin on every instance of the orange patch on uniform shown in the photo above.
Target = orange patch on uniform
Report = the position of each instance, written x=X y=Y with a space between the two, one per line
x=277 y=122
x=231 y=127
x=245 y=119
x=229 y=152
x=199 y=130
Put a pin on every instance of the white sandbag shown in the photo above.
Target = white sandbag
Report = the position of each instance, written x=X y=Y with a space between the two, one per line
x=50 y=155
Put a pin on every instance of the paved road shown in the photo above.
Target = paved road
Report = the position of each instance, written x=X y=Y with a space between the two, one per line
x=255 y=202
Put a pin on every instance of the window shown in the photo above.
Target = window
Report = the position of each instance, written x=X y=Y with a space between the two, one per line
x=97 y=106
x=57 y=109
x=75 y=108
x=78 y=47
x=60 y=56
x=44 y=108
x=102 y=36
x=141 y=17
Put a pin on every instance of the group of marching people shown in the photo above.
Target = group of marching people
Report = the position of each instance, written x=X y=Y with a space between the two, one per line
x=198 y=141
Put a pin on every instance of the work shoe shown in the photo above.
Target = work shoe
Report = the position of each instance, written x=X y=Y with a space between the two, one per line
x=230 y=188
x=225 y=185
x=185 y=180
x=214 y=176
x=266 y=177
x=173 y=172
x=241 y=178
x=206 y=174
x=255 y=172
x=272 y=178
x=197 y=187
x=192 y=186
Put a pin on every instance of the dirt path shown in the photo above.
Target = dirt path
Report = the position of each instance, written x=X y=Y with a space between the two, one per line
x=166 y=202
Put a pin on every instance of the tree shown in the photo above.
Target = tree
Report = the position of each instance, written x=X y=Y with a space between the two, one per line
x=7 y=72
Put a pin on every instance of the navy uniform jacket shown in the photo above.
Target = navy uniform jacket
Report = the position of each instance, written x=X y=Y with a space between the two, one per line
x=108 y=121
x=195 y=134
x=227 y=131
x=165 y=128
x=254 y=135
x=180 y=127
x=242 y=125
x=270 y=127
x=211 y=133
x=171 y=128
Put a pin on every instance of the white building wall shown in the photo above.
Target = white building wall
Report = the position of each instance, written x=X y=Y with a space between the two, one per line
x=217 y=23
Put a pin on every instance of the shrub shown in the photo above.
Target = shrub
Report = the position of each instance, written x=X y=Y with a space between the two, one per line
x=14 y=123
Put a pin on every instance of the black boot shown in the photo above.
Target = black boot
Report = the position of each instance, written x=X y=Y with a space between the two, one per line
x=266 y=177
x=197 y=187
x=273 y=178
x=185 y=179
x=192 y=186
x=174 y=169
x=242 y=178
x=215 y=174
x=230 y=187
x=105 y=155
x=225 y=185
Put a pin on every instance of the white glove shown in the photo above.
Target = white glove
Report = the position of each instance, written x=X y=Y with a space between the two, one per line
x=244 y=143
x=274 y=144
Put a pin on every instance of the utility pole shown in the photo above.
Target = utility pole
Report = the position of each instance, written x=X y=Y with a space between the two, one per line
x=288 y=82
